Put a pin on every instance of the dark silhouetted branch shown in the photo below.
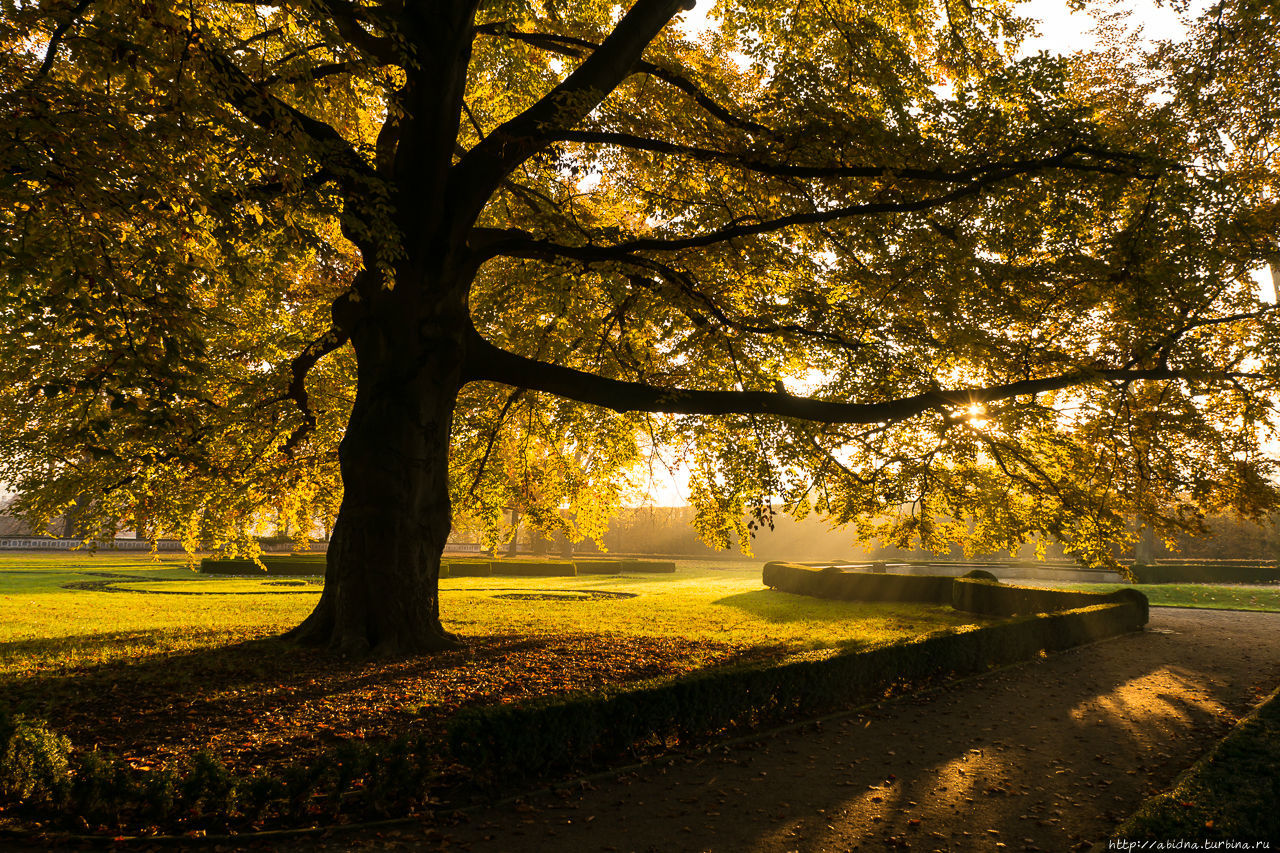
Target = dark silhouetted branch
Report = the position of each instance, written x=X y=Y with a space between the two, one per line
x=481 y=171
x=488 y=362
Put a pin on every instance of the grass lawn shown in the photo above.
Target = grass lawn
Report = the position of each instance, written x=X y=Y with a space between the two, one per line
x=1204 y=596
x=153 y=661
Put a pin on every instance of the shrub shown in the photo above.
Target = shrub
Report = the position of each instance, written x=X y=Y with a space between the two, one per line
x=533 y=568
x=208 y=783
x=103 y=787
x=99 y=787
x=981 y=575
x=34 y=765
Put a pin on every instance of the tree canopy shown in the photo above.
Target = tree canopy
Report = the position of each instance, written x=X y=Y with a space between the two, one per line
x=855 y=258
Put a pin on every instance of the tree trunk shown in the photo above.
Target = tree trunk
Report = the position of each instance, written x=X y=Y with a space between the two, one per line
x=1144 y=552
x=381 y=593
x=514 y=547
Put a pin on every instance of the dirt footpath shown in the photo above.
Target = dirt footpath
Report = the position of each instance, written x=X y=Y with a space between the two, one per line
x=1044 y=756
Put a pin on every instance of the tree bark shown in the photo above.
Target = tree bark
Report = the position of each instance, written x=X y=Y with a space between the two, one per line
x=514 y=547
x=1144 y=552
x=381 y=593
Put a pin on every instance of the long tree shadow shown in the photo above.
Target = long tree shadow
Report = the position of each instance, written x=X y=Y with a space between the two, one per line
x=1048 y=755
x=267 y=702
x=776 y=606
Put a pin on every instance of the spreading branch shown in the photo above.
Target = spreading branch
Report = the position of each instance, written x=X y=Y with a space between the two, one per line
x=577 y=47
x=297 y=390
x=55 y=41
x=1106 y=162
x=478 y=174
x=517 y=245
x=272 y=114
x=488 y=362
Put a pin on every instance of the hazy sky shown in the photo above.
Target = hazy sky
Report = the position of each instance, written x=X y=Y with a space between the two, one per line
x=1061 y=31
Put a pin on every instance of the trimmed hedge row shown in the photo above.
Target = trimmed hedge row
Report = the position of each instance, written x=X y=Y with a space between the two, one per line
x=466 y=569
x=276 y=564
x=598 y=567
x=533 y=568
x=313 y=564
x=649 y=566
x=975 y=595
x=513 y=741
x=833 y=582
x=1230 y=793
x=1206 y=573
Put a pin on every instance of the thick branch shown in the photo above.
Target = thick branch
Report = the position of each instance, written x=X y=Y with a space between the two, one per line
x=271 y=113
x=527 y=247
x=576 y=47
x=482 y=170
x=55 y=41
x=1062 y=161
x=297 y=390
x=487 y=362
x=350 y=19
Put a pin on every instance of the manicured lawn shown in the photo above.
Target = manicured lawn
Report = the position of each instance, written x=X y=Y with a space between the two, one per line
x=43 y=624
x=717 y=601
x=162 y=606
x=1204 y=596
x=153 y=661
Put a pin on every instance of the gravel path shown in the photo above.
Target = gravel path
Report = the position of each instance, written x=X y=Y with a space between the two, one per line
x=1045 y=756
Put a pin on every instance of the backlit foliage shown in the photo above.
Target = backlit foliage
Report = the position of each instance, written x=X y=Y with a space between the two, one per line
x=862 y=203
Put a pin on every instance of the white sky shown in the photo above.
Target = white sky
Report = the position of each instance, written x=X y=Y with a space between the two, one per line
x=1061 y=31
x=1064 y=31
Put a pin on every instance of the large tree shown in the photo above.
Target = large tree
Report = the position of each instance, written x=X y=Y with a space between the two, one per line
x=917 y=283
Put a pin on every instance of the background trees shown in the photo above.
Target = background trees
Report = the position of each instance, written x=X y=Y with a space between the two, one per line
x=921 y=285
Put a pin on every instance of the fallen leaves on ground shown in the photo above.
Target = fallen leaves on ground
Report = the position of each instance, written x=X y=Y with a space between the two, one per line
x=265 y=704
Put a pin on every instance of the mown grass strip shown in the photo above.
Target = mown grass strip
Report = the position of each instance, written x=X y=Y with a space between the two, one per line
x=1231 y=794
x=1200 y=596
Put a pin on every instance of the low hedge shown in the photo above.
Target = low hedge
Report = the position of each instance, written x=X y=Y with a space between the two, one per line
x=976 y=595
x=512 y=741
x=466 y=569
x=972 y=594
x=598 y=567
x=649 y=566
x=1229 y=794
x=276 y=564
x=1206 y=573
x=834 y=582
x=533 y=568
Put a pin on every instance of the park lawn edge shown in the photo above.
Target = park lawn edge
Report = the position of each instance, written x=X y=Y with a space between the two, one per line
x=37 y=764
x=1229 y=794
x=582 y=730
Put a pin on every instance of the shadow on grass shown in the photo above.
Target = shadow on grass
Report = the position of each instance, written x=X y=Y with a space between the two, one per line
x=268 y=703
x=778 y=606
